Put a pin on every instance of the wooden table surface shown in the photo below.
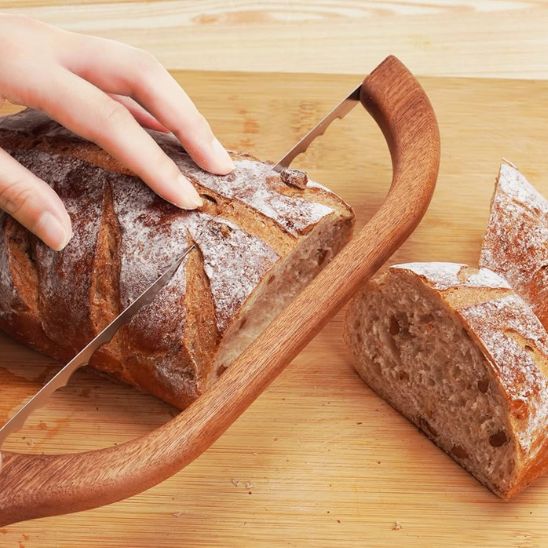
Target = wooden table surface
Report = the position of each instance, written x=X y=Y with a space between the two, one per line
x=493 y=38
x=318 y=459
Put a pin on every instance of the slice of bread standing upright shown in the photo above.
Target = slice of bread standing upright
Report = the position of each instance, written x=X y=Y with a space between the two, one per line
x=515 y=244
x=462 y=356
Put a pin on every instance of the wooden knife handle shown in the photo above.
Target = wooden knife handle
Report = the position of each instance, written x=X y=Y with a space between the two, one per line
x=36 y=486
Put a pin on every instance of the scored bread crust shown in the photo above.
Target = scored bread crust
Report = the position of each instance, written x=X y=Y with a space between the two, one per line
x=515 y=244
x=510 y=342
x=251 y=231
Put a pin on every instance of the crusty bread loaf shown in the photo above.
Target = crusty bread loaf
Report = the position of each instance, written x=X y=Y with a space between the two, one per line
x=515 y=244
x=258 y=241
x=462 y=356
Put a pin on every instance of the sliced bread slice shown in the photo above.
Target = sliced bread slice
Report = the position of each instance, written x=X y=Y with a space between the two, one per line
x=515 y=244
x=462 y=356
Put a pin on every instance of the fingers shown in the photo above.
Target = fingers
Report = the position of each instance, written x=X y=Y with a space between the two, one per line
x=139 y=113
x=33 y=203
x=118 y=68
x=94 y=115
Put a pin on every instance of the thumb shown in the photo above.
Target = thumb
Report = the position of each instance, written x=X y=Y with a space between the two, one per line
x=33 y=203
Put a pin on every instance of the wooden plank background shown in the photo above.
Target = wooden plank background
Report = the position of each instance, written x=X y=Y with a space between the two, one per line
x=317 y=459
x=492 y=38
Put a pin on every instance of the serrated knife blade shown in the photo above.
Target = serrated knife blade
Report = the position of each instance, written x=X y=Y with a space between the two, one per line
x=340 y=111
x=82 y=358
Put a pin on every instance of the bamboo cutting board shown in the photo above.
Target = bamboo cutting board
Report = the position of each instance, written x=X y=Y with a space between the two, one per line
x=318 y=459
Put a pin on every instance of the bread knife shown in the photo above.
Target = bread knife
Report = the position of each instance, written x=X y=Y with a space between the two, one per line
x=82 y=358
x=340 y=111
x=62 y=378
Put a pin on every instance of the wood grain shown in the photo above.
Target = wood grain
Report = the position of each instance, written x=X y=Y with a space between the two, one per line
x=493 y=38
x=34 y=486
x=326 y=462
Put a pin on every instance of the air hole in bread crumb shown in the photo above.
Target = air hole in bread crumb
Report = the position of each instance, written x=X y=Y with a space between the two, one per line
x=403 y=376
x=394 y=326
x=270 y=280
x=483 y=385
x=322 y=255
x=529 y=348
x=459 y=452
x=498 y=439
x=221 y=369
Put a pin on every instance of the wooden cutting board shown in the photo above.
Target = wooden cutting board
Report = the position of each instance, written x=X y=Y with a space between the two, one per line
x=318 y=459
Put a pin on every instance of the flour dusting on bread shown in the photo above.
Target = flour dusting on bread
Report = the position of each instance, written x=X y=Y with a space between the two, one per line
x=515 y=244
x=444 y=275
x=465 y=362
x=256 y=240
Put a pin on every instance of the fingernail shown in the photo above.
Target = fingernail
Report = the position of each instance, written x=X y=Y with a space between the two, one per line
x=50 y=230
x=188 y=196
x=224 y=163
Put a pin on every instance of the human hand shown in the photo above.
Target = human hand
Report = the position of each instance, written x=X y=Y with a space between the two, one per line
x=102 y=90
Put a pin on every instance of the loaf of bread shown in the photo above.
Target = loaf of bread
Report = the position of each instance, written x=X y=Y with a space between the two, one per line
x=515 y=244
x=462 y=356
x=259 y=239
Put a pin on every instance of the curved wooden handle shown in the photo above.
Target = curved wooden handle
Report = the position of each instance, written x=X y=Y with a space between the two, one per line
x=37 y=486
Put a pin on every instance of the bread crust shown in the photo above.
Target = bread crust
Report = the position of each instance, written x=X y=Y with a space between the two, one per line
x=510 y=337
x=516 y=240
x=125 y=237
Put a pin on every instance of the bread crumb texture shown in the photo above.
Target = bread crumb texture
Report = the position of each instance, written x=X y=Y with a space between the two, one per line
x=462 y=356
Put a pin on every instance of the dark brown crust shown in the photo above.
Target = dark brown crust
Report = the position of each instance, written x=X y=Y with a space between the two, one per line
x=516 y=240
x=202 y=342
x=535 y=469
x=124 y=238
x=19 y=298
x=105 y=289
